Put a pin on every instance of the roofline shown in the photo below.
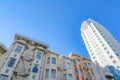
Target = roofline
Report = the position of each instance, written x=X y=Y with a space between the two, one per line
x=3 y=46
x=72 y=53
x=44 y=44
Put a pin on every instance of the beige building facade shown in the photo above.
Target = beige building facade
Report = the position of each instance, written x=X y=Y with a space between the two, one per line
x=28 y=59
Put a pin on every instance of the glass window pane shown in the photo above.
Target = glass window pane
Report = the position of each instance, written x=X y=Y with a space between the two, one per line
x=76 y=72
x=3 y=77
x=11 y=62
x=74 y=61
x=38 y=55
x=53 y=60
x=47 y=73
x=65 y=77
x=35 y=68
x=69 y=65
x=53 y=73
x=81 y=72
x=48 y=60
x=18 y=49
x=70 y=77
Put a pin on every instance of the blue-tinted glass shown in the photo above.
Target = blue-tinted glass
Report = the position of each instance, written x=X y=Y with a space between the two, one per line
x=3 y=77
x=53 y=60
x=47 y=73
x=53 y=73
x=81 y=72
x=76 y=71
x=65 y=77
x=11 y=62
x=70 y=77
x=38 y=55
x=18 y=49
x=35 y=69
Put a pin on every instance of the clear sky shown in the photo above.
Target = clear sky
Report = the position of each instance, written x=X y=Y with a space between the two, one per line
x=56 y=22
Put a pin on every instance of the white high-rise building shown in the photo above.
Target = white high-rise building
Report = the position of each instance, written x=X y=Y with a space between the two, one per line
x=103 y=48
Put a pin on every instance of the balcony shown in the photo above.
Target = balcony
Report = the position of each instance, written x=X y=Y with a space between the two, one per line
x=21 y=71
x=62 y=68
x=26 y=57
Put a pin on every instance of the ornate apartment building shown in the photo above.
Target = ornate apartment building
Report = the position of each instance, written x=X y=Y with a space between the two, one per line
x=82 y=68
x=28 y=59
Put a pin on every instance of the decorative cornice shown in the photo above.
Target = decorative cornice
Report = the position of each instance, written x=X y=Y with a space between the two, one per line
x=3 y=47
x=29 y=40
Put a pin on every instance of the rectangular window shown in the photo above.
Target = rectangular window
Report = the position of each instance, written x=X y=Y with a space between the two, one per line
x=76 y=72
x=48 y=60
x=85 y=65
x=65 y=77
x=53 y=73
x=38 y=55
x=74 y=61
x=35 y=68
x=47 y=73
x=53 y=60
x=81 y=73
x=69 y=65
x=18 y=49
x=11 y=62
x=70 y=77
x=78 y=61
x=111 y=56
x=3 y=77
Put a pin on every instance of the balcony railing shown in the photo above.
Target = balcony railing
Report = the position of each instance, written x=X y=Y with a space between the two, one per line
x=21 y=71
x=62 y=68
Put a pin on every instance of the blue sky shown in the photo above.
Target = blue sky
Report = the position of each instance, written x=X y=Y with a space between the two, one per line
x=56 y=22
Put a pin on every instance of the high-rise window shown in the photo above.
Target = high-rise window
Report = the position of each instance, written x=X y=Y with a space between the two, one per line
x=35 y=68
x=70 y=77
x=11 y=62
x=53 y=60
x=3 y=77
x=47 y=73
x=53 y=73
x=18 y=49
x=114 y=61
x=48 y=60
x=64 y=76
x=111 y=56
x=38 y=55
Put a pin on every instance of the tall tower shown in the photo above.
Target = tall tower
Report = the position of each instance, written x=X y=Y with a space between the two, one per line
x=103 y=48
